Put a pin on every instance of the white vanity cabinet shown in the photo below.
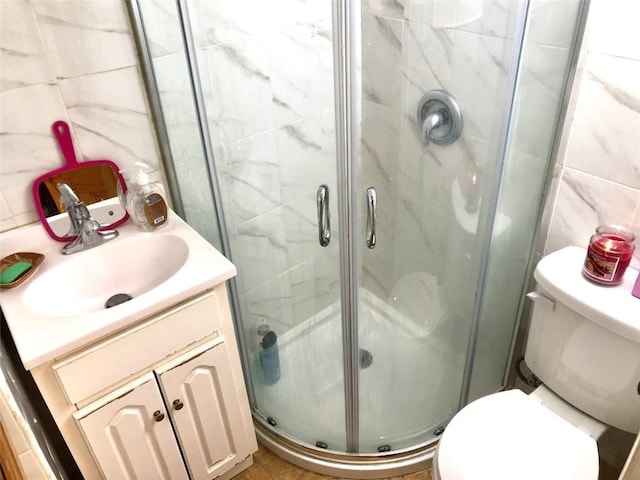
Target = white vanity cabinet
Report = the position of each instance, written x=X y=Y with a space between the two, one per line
x=130 y=433
x=163 y=399
x=204 y=410
x=131 y=437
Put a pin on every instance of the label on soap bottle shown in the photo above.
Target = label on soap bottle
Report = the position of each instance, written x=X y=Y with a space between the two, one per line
x=155 y=210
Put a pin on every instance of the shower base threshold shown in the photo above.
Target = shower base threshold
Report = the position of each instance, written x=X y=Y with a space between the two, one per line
x=344 y=465
x=306 y=405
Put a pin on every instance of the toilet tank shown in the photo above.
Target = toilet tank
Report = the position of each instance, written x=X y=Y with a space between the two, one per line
x=584 y=340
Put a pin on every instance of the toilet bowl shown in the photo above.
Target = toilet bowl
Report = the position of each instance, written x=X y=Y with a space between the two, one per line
x=511 y=435
x=584 y=345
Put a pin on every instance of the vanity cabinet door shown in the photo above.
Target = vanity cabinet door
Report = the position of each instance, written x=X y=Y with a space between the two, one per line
x=131 y=435
x=204 y=407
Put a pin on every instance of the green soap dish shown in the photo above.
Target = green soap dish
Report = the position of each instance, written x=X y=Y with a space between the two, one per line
x=18 y=267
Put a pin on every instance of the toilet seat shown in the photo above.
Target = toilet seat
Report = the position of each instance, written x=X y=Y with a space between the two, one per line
x=510 y=435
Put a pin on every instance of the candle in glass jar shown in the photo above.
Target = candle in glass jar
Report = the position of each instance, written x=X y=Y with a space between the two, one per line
x=608 y=256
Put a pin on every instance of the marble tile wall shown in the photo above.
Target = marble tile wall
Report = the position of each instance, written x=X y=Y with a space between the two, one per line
x=72 y=60
x=410 y=47
x=598 y=179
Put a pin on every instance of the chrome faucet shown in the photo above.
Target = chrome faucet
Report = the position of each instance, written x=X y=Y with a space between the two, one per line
x=84 y=227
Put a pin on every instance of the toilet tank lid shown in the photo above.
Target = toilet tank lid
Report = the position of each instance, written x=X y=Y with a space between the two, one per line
x=559 y=275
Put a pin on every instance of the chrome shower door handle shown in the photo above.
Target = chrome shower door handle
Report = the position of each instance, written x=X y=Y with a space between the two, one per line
x=324 y=224
x=371 y=217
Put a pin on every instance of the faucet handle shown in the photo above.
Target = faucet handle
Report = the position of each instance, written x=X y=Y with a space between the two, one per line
x=67 y=196
x=433 y=120
x=88 y=230
x=439 y=118
x=79 y=211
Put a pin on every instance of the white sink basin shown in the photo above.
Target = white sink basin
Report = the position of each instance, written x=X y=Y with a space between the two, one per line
x=84 y=282
x=62 y=306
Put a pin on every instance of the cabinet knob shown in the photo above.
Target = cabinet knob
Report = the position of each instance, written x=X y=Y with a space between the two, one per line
x=158 y=416
x=177 y=404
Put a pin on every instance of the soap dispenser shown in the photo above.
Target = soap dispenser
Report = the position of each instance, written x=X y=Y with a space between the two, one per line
x=145 y=200
x=269 y=358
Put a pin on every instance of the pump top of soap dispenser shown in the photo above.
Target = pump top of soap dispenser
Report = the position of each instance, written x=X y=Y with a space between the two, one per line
x=141 y=177
x=263 y=328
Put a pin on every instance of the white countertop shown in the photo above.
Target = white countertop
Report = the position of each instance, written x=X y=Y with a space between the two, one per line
x=40 y=337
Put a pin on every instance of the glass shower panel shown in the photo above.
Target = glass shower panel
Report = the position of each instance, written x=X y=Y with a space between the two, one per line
x=173 y=88
x=265 y=77
x=267 y=80
x=417 y=287
x=545 y=62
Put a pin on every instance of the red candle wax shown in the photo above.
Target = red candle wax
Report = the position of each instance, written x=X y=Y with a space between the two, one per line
x=608 y=256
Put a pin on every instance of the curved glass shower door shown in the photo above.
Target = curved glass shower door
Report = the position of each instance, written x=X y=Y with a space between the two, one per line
x=362 y=248
x=267 y=81
x=418 y=284
x=255 y=80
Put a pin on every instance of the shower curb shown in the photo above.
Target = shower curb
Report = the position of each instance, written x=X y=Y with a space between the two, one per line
x=337 y=464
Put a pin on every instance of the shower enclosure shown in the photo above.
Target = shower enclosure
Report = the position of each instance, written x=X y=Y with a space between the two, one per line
x=389 y=265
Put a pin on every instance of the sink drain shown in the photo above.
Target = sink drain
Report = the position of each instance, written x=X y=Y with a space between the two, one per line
x=366 y=358
x=117 y=299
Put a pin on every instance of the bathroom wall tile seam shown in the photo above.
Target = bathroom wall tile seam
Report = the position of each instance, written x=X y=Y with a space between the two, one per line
x=567 y=171
x=51 y=76
x=276 y=128
x=627 y=217
x=119 y=29
x=592 y=175
x=408 y=15
x=38 y=84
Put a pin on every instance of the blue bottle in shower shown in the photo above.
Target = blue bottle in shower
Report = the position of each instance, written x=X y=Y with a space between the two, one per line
x=269 y=358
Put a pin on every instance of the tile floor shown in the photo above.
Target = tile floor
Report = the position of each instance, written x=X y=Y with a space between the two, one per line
x=266 y=466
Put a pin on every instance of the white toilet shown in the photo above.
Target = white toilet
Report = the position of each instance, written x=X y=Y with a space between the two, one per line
x=584 y=345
